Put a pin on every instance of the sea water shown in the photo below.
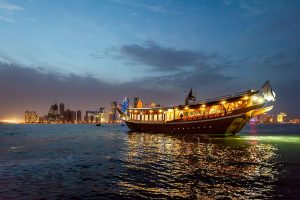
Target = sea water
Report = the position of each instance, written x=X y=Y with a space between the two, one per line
x=83 y=161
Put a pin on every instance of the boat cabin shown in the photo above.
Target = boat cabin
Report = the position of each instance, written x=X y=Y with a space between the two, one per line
x=212 y=108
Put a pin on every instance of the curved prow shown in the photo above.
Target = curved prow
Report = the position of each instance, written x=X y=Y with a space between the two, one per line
x=121 y=113
x=267 y=92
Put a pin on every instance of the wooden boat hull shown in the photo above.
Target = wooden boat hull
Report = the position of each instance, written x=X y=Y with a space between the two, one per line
x=222 y=125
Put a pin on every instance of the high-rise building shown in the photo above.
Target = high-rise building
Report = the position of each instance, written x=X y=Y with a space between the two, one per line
x=31 y=117
x=61 y=108
x=139 y=104
x=102 y=114
x=61 y=112
x=113 y=113
x=281 y=118
x=68 y=116
x=264 y=118
x=53 y=113
x=73 y=116
x=78 y=116
x=125 y=105
x=135 y=101
x=89 y=116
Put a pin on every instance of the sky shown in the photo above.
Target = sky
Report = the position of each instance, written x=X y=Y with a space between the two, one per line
x=87 y=53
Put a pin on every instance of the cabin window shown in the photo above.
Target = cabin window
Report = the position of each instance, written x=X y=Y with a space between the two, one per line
x=192 y=113
x=186 y=114
x=151 y=117
x=216 y=109
x=170 y=116
x=155 y=117
x=160 y=117
x=196 y=113
x=177 y=114
x=201 y=111
x=146 y=118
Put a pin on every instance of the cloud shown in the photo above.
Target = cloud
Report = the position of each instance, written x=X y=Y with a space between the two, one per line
x=227 y=2
x=254 y=8
x=157 y=8
x=23 y=88
x=176 y=67
x=9 y=6
x=6 y=19
x=160 y=58
x=31 y=20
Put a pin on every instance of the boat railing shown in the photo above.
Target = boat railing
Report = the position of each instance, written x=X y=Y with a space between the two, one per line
x=144 y=121
x=248 y=92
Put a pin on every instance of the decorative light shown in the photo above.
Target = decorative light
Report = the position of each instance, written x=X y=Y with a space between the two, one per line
x=203 y=106
x=186 y=107
x=223 y=102
x=246 y=97
x=261 y=100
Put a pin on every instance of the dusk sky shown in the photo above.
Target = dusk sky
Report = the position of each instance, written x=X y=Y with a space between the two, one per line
x=87 y=53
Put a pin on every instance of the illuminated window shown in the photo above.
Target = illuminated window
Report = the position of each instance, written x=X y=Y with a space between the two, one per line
x=160 y=117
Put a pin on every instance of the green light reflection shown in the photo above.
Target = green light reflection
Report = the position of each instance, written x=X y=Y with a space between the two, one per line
x=272 y=139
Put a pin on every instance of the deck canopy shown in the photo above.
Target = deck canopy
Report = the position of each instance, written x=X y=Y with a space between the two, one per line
x=206 y=102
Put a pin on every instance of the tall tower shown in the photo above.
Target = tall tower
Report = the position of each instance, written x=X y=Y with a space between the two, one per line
x=61 y=109
x=102 y=114
x=78 y=116
x=281 y=118
x=125 y=105
x=113 y=113
x=31 y=117
x=53 y=113
x=135 y=101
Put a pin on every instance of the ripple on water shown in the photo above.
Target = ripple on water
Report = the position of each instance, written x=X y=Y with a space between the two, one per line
x=88 y=163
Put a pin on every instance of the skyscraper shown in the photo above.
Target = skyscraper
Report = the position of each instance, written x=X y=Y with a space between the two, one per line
x=61 y=109
x=61 y=112
x=78 y=116
x=139 y=104
x=113 y=112
x=73 y=116
x=281 y=118
x=31 y=117
x=135 y=101
x=67 y=116
x=102 y=114
x=125 y=105
x=53 y=113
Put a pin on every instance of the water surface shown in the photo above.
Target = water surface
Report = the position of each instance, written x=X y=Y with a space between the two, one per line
x=89 y=162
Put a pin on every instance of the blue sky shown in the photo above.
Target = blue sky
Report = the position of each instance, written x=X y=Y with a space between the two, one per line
x=152 y=49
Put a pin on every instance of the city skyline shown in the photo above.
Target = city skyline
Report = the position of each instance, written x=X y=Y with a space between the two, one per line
x=91 y=53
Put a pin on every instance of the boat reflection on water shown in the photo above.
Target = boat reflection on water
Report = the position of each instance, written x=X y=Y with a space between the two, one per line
x=197 y=167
